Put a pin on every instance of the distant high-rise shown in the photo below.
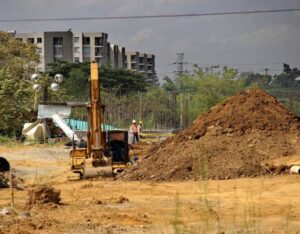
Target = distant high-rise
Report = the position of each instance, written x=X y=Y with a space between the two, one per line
x=90 y=47
x=85 y=47
x=142 y=63
x=68 y=46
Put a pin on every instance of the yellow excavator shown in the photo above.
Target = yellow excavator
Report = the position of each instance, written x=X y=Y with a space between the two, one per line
x=104 y=153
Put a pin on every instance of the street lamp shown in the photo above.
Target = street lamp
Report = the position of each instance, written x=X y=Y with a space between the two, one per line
x=38 y=87
x=58 y=79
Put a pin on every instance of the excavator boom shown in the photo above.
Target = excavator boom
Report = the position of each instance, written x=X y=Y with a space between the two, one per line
x=99 y=158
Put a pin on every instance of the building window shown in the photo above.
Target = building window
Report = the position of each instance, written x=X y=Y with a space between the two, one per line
x=57 y=41
x=30 y=40
x=132 y=57
x=98 y=51
x=86 y=40
x=39 y=40
x=76 y=39
x=57 y=52
x=86 y=52
x=77 y=60
x=98 y=41
x=76 y=49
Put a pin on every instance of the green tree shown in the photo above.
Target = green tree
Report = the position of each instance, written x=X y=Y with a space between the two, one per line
x=255 y=79
x=17 y=62
x=122 y=81
x=18 y=57
x=205 y=90
x=287 y=78
x=169 y=84
x=14 y=108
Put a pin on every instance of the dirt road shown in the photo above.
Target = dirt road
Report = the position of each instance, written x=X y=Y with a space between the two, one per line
x=268 y=204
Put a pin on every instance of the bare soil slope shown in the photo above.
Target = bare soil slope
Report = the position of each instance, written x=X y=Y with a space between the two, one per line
x=232 y=140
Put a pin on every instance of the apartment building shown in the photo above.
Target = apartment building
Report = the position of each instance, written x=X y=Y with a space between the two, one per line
x=90 y=47
x=51 y=46
x=116 y=56
x=67 y=46
x=85 y=47
x=141 y=62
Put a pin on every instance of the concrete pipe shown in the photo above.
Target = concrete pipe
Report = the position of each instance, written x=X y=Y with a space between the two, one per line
x=4 y=165
x=295 y=169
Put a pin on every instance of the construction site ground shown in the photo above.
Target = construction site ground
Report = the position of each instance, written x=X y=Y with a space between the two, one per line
x=267 y=204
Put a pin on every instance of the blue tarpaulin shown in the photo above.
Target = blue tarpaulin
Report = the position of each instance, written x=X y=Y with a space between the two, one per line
x=79 y=125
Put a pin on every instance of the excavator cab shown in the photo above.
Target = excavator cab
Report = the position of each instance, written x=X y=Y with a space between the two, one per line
x=118 y=150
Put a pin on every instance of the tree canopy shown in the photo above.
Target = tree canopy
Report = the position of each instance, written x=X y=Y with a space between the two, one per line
x=121 y=81
x=17 y=62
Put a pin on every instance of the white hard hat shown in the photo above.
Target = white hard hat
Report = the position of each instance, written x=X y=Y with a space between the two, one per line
x=133 y=121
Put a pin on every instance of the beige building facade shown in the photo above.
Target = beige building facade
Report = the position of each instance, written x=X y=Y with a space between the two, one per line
x=141 y=62
x=85 y=47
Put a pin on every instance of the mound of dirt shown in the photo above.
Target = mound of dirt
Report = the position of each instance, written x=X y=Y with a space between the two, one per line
x=232 y=140
x=43 y=194
x=17 y=182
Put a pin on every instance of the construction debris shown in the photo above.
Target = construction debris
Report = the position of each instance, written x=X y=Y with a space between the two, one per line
x=295 y=169
x=5 y=211
x=231 y=140
x=17 y=181
x=42 y=194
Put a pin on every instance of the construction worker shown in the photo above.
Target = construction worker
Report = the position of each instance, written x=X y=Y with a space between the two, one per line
x=134 y=132
x=140 y=127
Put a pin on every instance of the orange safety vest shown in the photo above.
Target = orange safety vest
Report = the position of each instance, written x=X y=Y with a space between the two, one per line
x=134 y=128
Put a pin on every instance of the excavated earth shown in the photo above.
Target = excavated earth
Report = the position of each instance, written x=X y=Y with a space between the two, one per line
x=234 y=139
x=42 y=194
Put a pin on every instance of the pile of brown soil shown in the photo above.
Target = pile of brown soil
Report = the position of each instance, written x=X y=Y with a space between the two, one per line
x=232 y=140
x=42 y=194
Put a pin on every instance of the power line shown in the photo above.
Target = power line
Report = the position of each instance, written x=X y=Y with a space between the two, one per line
x=153 y=16
x=245 y=64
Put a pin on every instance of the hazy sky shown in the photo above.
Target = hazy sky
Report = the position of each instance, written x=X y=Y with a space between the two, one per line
x=242 y=41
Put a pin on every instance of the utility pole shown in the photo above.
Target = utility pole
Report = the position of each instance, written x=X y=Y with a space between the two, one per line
x=179 y=63
x=179 y=73
x=140 y=105
x=266 y=70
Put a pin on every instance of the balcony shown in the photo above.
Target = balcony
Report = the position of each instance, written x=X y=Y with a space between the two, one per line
x=98 y=41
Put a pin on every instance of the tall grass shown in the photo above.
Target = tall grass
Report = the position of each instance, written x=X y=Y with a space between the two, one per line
x=246 y=215
x=4 y=140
